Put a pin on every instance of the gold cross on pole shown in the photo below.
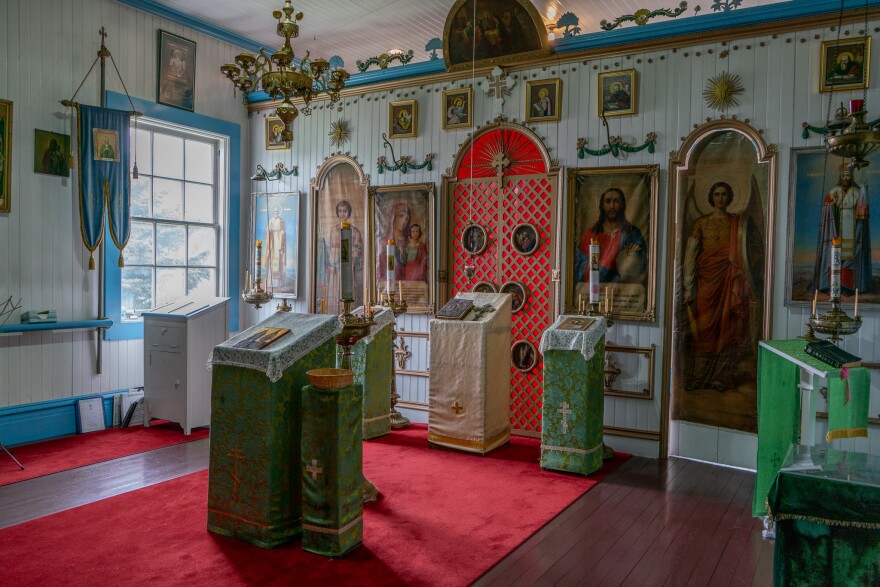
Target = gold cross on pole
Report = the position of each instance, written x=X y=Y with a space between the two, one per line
x=565 y=411
x=314 y=470
x=457 y=407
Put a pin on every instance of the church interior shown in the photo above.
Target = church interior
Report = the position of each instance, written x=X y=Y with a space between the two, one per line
x=439 y=293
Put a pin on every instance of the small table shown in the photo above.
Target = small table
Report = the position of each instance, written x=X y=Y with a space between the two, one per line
x=826 y=507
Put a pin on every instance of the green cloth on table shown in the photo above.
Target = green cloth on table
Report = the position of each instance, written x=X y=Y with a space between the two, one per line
x=254 y=481
x=826 y=507
x=332 y=470
x=778 y=417
x=573 y=410
x=371 y=363
x=848 y=419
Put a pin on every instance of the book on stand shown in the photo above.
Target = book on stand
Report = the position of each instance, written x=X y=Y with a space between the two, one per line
x=829 y=353
x=261 y=338
x=455 y=309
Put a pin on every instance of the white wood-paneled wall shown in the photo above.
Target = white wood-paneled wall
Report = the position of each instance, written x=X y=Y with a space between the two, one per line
x=46 y=48
x=781 y=79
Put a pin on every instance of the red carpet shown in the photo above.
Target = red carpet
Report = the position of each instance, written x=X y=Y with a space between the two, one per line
x=443 y=519
x=70 y=452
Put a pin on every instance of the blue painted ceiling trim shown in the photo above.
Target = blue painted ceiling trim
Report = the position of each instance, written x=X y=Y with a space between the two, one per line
x=151 y=7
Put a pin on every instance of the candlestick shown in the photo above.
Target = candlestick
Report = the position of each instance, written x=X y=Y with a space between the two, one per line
x=815 y=300
x=594 y=271
x=247 y=280
x=611 y=303
x=835 y=269
x=856 y=309
x=345 y=261
x=324 y=301
x=390 y=253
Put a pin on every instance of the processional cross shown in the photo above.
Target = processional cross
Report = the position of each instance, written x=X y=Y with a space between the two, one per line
x=565 y=411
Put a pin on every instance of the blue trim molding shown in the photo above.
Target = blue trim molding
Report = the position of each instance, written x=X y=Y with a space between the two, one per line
x=46 y=420
x=112 y=273
x=200 y=26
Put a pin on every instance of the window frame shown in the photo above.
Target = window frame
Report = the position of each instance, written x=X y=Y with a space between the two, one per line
x=228 y=211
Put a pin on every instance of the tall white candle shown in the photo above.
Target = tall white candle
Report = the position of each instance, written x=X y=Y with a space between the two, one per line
x=345 y=262
x=594 y=271
x=259 y=261
x=835 y=269
x=390 y=254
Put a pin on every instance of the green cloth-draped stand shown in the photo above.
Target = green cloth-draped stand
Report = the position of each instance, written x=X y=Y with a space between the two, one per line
x=574 y=401
x=371 y=363
x=255 y=479
x=332 y=470
x=779 y=405
x=825 y=504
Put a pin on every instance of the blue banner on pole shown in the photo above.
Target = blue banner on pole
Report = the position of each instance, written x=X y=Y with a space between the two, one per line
x=104 y=181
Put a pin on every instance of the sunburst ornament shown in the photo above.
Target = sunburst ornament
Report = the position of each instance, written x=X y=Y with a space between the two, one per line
x=722 y=90
x=340 y=133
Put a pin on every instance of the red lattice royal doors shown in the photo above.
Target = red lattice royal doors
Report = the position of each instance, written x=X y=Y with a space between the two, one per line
x=504 y=179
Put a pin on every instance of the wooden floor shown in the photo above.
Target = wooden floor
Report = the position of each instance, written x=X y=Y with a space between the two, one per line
x=674 y=522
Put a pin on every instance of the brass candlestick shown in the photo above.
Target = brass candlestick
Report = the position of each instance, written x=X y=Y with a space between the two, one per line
x=592 y=310
x=354 y=328
x=835 y=323
x=284 y=306
x=257 y=296
x=398 y=420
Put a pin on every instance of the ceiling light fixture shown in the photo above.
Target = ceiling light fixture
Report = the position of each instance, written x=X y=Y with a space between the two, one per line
x=281 y=77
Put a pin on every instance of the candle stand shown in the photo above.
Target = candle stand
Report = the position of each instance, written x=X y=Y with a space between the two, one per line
x=398 y=420
x=257 y=296
x=284 y=306
x=354 y=328
x=835 y=323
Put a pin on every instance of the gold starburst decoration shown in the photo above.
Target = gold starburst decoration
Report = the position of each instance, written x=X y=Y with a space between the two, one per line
x=340 y=133
x=721 y=91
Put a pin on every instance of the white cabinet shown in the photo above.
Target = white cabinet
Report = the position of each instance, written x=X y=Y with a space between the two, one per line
x=178 y=337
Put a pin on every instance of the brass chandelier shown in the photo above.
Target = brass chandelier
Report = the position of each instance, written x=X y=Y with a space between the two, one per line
x=281 y=77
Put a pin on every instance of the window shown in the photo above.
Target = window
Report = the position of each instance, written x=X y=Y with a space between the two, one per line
x=177 y=218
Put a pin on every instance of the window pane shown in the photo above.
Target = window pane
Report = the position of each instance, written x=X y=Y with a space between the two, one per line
x=137 y=291
x=140 y=197
x=167 y=199
x=202 y=246
x=142 y=154
x=167 y=156
x=199 y=202
x=170 y=245
x=201 y=282
x=170 y=285
x=140 y=244
x=199 y=162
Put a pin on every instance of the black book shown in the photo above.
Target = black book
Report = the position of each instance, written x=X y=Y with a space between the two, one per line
x=829 y=353
x=455 y=309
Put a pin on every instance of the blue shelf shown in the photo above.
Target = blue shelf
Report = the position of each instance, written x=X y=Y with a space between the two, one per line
x=57 y=326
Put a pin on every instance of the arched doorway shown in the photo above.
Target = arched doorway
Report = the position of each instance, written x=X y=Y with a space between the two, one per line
x=502 y=180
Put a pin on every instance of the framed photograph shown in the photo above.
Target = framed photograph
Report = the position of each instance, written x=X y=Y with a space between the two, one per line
x=629 y=371
x=105 y=144
x=543 y=100
x=275 y=222
x=403 y=119
x=617 y=92
x=51 y=153
x=338 y=194
x=524 y=239
x=523 y=356
x=274 y=127
x=404 y=214
x=722 y=192
x=845 y=64
x=519 y=293
x=822 y=188
x=617 y=206
x=176 y=82
x=484 y=287
x=458 y=109
x=514 y=32
x=5 y=156
x=474 y=239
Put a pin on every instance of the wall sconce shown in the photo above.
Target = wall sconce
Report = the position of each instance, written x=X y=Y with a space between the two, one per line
x=277 y=172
